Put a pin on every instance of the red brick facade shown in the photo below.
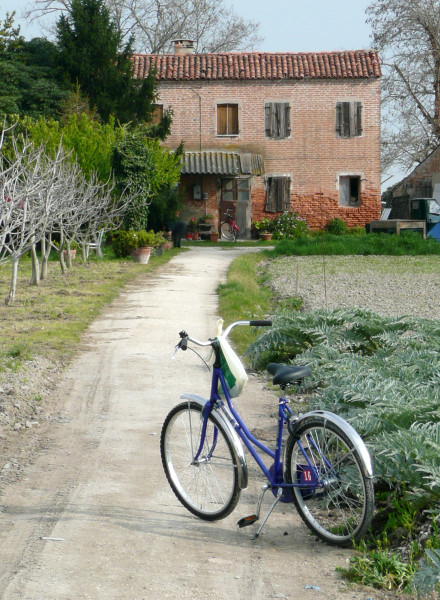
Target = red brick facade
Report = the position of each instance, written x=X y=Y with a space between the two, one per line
x=313 y=155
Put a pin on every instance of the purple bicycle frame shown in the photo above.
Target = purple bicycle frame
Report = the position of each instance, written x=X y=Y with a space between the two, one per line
x=274 y=474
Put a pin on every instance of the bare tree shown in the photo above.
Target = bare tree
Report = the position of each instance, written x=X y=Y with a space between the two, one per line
x=26 y=209
x=407 y=34
x=153 y=24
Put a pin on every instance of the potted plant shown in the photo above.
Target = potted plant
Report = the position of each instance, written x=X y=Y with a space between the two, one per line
x=73 y=249
x=137 y=243
x=191 y=229
x=213 y=236
x=264 y=228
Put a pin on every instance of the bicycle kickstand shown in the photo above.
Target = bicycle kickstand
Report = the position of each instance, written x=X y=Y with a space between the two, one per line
x=245 y=521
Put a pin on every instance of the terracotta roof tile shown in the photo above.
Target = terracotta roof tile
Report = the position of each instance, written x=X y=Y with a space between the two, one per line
x=260 y=65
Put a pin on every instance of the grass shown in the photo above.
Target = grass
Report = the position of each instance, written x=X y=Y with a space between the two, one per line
x=406 y=244
x=50 y=319
x=244 y=296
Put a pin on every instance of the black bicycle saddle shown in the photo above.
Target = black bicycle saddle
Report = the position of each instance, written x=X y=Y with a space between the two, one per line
x=284 y=374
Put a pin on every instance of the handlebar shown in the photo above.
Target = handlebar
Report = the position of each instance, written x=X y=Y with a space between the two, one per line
x=185 y=338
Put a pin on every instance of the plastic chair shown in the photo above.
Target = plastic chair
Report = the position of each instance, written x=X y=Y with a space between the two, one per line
x=96 y=245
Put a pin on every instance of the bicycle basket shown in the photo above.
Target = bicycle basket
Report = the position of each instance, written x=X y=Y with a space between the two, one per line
x=233 y=371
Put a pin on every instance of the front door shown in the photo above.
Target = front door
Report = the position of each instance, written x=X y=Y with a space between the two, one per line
x=236 y=196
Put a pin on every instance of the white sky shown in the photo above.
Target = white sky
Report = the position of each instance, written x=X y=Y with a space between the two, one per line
x=286 y=25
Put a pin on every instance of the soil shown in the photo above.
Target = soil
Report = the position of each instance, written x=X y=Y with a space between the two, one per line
x=85 y=509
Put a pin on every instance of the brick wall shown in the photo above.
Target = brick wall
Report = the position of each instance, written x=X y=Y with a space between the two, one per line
x=313 y=156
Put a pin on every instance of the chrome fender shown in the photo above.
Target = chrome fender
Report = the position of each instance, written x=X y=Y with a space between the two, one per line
x=236 y=444
x=355 y=438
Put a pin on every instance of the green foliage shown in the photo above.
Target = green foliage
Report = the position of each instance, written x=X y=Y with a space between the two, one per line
x=382 y=375
x=126 y=241
x=289 y=225
x=410 y=243
x=428 y=576
x=265 y=225
x=28 y=74
x=337 y=227
x=92 y=54
x=379 y=568
x=92 y=142
x=148 y=171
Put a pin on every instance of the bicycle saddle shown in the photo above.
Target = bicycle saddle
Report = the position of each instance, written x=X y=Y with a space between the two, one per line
x=284 y=374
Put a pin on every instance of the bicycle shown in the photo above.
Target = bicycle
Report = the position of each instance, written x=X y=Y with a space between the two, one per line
x=229 y=228
x=327 y=471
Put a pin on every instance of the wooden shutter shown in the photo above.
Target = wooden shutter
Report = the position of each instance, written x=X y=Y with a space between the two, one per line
x=222 y=119
x=357 y=112
x=268 y=119
x=285 y=193
x=270 y=195
x=233 y=119
x=286 y=119
x=349 y=119
x=277 y=119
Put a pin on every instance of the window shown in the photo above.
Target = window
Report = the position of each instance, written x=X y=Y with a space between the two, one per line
x=349 y=190
x=278 y=194
x=277 y=119
x=227 y=119
x=235 y=189
x=349 y=119
x=157 y=115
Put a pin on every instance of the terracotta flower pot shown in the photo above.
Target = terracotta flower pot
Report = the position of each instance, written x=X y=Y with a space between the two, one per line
x=213 y=237
x=266 y=237
x=72 y=253
x=141 y=255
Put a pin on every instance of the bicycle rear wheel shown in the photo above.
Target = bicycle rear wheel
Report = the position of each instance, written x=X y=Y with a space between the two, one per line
x=338 y=505
x=209 y=486
x=227 y=232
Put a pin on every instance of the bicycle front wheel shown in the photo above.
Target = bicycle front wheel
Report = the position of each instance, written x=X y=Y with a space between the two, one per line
x=336 y=497
x=227 y=232
x=208 y=487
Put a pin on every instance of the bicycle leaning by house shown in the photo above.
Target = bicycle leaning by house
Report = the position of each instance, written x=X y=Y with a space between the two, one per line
x=229 y=228
x=326 y=469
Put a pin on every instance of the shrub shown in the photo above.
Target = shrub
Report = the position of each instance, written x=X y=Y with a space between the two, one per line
x=126 y=241
x=289 y=225
x=337 y=227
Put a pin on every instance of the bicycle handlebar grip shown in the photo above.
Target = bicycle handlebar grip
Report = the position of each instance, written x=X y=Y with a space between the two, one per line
x=260 y=323
x=184 y=343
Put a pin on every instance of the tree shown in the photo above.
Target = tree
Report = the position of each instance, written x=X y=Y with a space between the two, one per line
x=28 y=74
x=146 y=170
x=91 y=53
x=91 y=142
x=155 y=23
x=407 y=34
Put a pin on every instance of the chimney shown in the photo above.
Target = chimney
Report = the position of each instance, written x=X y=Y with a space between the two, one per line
x=183 y=46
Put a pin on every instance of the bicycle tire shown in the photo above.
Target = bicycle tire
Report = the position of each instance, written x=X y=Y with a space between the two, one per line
x=341 y=510
x=227 y=231
x=210 y=488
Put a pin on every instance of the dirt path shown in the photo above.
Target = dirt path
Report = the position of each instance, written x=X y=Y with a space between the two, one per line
x=94 y=517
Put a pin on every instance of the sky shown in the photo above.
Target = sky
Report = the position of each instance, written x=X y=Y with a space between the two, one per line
x=286 y=25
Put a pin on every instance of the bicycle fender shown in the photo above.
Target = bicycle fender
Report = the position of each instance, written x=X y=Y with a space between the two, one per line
x=346 y=428
x=233 y=438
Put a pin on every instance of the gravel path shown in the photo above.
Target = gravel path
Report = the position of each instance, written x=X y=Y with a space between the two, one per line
x=387 y=285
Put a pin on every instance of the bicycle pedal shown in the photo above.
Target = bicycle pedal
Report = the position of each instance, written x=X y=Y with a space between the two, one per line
x=245 y=521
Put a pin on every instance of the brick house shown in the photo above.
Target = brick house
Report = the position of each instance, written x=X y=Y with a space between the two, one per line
x=268 y=132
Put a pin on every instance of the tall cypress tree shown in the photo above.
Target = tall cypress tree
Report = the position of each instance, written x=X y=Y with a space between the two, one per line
x=91 y=54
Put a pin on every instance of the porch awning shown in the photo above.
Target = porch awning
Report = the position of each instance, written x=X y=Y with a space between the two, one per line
x=221 y=163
